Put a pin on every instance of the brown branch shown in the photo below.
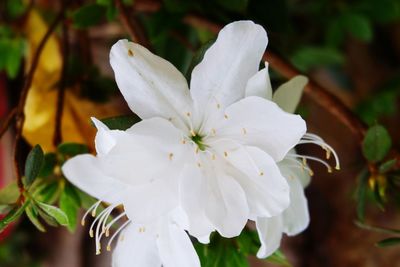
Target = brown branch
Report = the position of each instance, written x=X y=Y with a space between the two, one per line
x=132 y=25
x=7 y=121
x=57 y=137
x=20 y=116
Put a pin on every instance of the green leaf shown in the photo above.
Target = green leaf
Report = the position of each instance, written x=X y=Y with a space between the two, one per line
x=33 y=216
x=12 y=215
x=33 y=165
x=72 y=149
x=388 y=242
x=361 y=194
x=387 y=166
x=55 y=213
x=377 y=143
x=48 y=192
x=50 y=162
x=121 y=122
x=70 y=203
x=9 y=194
x=310 y=57
x=88 y=15
x=358 y=26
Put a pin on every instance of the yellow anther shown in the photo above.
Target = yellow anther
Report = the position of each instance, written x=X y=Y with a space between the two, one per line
x=130 y=53
x=91 y=233
x=94 y=213
x=170 y=156
x=107 y=232
x=225 y=116
x=337 y=167
x=304 y=161
x=330 y=170
x=83 y=222
x=183 y=141
x=192 y=132
x=261 y=173
x=225 y=153
x=328 y=153
x=310 y=172
x=108 y=248
x=188 y=114
x=98 y=252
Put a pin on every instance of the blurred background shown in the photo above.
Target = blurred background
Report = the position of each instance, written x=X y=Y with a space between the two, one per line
x=350 y=49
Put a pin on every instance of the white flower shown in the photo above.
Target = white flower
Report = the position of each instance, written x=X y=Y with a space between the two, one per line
x=211 y=151
x=293 y=167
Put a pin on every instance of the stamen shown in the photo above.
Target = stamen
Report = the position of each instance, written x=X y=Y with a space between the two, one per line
x=305 y=158
x=94 y=206
x=117 y=232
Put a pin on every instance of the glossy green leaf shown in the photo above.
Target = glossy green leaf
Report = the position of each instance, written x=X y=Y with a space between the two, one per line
x=12 y=215
x=55 y=213
x=389 y=242
x=88 y=15
x=70 y=203
x=72 y=149
x=377 y=143
x=358 y=26
x=387 y=166
x=33 y=165
x=310 y=57
x=121 y=122
x=50 y=162
x=33 y=216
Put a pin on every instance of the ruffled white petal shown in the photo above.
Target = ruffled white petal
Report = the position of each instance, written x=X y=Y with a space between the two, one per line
x=192 y=191
x=151 y=86
x=260 y=84
x=259 y=122
x=270 y=234
x=136 y=249
x=85 y=173
x=221 y=77
x=175 y=247
x=288 y=95
x=226 y=205
x=296 y=217
x=151 y=149
x=266 y=189
x=148 y=202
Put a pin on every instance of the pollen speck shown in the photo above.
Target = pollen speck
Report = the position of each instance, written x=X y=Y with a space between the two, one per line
x=244 y=131
x=218 y=106
x=170 y=156
x=108 y=248
x=225 y=153
x=261 y=173
x=199 y=164
x=188 y=114
x=213 y=157
x=130 y=53
x=226 y=116
x=213 y=131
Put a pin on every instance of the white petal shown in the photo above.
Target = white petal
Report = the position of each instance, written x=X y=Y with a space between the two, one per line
x=145 y=203
x=288 y=95
x=192 y=190
x=266 y=189
x=270 y=234
x=152 y=86
x=226 y=205
x=84 y=172
x=260 y=84
x=228 y=64
x=151 y=149
x=175 y=247
x=136 y=249
x=104 y=140
x=259 y=122
x=296 y=217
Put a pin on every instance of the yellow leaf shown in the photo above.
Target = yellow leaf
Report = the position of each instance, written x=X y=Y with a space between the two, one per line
x=41 y=102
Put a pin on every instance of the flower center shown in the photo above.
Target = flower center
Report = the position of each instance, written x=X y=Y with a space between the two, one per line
x=198 y=140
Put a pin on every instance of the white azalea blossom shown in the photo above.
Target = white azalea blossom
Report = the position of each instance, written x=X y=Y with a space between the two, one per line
x=203 y=160
x=293 y=167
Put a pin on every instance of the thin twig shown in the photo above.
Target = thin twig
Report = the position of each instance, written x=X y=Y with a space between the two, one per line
x=132 y=25
x=57 y=137
x=7 y=121
x=20 y=116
